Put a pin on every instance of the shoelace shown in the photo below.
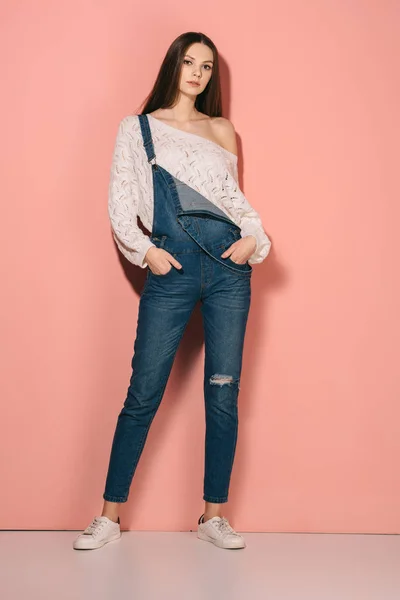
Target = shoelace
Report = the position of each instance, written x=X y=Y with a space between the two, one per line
x=94 y=527
x=224 y=527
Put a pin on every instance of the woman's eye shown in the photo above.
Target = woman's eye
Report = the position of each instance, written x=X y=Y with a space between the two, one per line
x=185 y=61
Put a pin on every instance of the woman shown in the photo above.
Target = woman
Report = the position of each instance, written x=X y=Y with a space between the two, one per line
x=175 y=166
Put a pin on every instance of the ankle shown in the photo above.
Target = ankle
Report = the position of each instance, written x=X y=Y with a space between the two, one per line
x=114 y=518
x=206 y=516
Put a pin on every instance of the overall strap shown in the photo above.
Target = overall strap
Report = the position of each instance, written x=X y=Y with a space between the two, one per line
x=147 y=139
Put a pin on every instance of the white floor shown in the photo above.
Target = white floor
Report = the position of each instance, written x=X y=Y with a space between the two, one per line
x=152 y=565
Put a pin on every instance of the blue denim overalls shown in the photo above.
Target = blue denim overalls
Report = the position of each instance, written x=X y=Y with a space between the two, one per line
x=196 y=233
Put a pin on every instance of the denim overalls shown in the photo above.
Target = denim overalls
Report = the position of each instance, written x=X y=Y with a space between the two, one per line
x=196 y=233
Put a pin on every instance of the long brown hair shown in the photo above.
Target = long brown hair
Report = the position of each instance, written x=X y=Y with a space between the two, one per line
x=165 y=90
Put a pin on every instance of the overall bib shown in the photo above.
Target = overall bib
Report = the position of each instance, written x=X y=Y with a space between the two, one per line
x=196 y=233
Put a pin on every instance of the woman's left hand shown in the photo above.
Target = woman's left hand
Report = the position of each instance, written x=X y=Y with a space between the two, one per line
x=241 y=250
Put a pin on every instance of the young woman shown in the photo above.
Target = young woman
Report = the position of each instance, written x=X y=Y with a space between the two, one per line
x=175 y=166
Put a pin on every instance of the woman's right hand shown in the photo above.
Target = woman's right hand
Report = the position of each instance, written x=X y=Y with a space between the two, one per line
x=160 y=261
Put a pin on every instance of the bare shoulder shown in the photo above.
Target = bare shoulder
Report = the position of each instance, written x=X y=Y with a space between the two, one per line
x=225 y=133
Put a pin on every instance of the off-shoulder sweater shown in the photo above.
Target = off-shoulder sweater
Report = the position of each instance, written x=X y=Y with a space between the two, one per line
x=197 y=161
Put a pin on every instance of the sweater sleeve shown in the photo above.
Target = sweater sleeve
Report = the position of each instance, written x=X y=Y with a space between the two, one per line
x=125 y=193
x=244 y=215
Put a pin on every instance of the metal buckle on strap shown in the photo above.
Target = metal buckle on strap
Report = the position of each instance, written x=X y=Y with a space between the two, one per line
x=153 y=162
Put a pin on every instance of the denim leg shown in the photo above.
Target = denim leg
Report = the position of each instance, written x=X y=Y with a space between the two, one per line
x=225 y=311
x=162 y=319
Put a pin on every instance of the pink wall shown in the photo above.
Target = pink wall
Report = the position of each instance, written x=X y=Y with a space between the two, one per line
x=313 y=91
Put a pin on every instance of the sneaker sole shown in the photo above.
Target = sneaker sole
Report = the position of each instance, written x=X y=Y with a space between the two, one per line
x=206 y=538
x=99 y=544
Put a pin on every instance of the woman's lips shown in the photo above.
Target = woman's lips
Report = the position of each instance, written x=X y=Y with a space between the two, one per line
x=193 y=83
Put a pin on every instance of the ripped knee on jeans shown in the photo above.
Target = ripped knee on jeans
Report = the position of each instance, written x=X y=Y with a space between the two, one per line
x=221 y=379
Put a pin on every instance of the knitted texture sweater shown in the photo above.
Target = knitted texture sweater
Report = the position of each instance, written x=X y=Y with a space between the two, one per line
x=202 y=164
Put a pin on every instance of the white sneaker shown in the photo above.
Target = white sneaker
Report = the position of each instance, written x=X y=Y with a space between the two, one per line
x=100 y=531
x=218 y=531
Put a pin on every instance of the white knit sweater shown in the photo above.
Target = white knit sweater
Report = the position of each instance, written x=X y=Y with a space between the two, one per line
x=200 y=163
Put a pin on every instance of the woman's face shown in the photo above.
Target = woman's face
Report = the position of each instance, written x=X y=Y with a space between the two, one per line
x=197 y=65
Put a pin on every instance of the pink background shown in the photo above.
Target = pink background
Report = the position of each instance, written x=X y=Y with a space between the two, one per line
x=313 y=91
